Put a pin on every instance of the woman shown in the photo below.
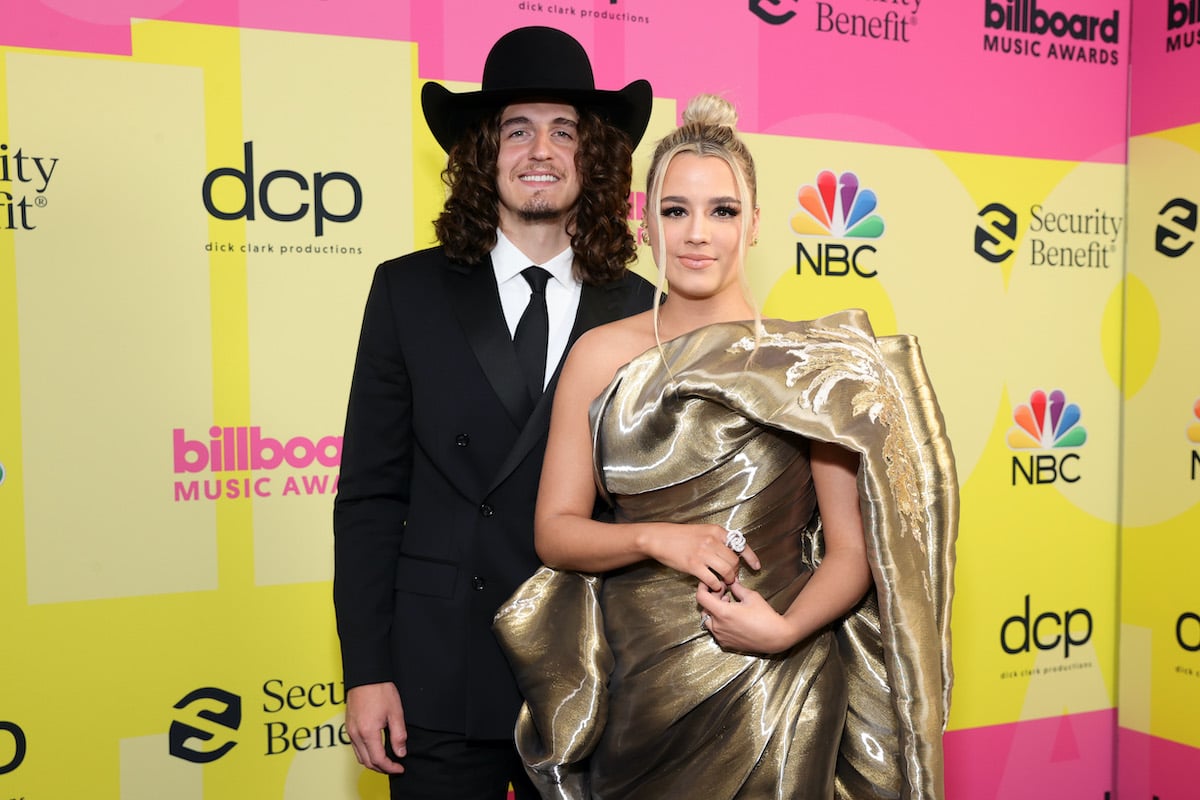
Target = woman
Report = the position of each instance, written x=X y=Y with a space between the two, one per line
x=732 y=647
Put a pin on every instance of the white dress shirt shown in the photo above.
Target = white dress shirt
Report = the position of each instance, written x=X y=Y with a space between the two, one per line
x=562 y=294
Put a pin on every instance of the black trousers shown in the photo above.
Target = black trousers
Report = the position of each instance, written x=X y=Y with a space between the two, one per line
x=448 y=766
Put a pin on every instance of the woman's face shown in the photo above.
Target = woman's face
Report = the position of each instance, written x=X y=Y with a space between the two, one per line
x=699 y=224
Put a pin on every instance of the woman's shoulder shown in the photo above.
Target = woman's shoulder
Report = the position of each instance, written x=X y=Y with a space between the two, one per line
x=628 y=336
x=598 y=353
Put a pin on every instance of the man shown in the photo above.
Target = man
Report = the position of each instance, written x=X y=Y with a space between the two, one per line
x=450 y=403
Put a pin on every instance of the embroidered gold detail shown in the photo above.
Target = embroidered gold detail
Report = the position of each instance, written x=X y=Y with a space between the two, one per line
x=829 y=357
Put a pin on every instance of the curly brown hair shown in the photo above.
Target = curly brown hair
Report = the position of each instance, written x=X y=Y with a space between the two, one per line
x=600 y=236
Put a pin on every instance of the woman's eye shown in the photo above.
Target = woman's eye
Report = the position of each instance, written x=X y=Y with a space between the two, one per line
x=673 y=211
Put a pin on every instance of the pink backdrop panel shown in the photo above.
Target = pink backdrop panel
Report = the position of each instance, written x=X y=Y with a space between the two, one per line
x=1040 y=759
x=814 y=74
x=852 y=70
x=1153 y=767
x=86 y=26
x=1166 y=61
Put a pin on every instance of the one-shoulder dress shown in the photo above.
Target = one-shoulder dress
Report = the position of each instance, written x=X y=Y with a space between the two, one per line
x=628 y=696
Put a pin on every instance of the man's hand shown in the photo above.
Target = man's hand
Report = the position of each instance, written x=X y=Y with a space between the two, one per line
x=373 y=711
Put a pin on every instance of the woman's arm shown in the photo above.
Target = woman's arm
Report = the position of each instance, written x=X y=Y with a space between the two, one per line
x=750 y=624
x=565 y=534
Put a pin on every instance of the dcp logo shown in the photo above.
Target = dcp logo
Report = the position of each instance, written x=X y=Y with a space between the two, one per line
x=296 y=185
x=1187 y=631
x=1168 y=240
x=185 y=738
x=996 y=235
x=11 y=730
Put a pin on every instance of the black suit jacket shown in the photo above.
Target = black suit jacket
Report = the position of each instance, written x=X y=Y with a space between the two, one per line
x=433 y=520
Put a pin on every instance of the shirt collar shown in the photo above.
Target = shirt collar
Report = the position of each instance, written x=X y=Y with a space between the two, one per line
x=508 y=261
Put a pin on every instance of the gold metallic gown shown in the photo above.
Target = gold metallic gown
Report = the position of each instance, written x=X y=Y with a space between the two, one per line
x=627 y=696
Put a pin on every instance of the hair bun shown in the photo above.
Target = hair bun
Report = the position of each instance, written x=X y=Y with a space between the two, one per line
x=709 y=109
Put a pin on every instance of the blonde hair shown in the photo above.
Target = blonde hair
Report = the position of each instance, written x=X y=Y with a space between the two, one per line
x=709 y=129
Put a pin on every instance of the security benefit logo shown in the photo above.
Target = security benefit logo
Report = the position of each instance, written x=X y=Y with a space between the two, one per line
x=886 y=20
x=1046 y=436
x=208 y=720
x=836 y=207
x=1176 y=230
x=996 y=234
x=1042 y=29
x=24 y=179
x=1058 y=237
x=203 y=729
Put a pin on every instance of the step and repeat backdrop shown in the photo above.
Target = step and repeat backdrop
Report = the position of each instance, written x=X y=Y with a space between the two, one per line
x=1159 y=664
x=193 y=197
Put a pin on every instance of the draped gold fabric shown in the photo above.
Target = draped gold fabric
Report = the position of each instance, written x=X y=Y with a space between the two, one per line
x=628 y=697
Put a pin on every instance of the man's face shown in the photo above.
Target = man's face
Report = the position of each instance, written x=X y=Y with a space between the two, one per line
x=535 y=173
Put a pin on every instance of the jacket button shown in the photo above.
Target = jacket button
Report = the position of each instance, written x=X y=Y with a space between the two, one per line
x=477 y=583
x=486 y=511
x=462 y=440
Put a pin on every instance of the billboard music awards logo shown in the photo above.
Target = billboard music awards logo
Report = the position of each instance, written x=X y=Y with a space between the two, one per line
x=24 y=179
x=837 y=207
x=883 y=20
x=246 y=450
x=1039 y=29
x=1182 y=14
x=209 y=718
x=1174 y=235
x=1046 y=422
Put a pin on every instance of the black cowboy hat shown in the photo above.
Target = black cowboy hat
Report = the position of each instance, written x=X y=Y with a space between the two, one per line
x=534 y=63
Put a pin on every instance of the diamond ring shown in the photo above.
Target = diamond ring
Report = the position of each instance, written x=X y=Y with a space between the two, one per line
x=735 y=541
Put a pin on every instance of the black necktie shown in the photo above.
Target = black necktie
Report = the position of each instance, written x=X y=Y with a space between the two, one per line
x=533 y=331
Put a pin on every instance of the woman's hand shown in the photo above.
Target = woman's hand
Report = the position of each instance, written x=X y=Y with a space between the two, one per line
x=698 y=550
x=740 y=619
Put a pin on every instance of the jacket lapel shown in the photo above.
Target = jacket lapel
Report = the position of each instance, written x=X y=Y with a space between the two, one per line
x=597 y=305
x=477 y=302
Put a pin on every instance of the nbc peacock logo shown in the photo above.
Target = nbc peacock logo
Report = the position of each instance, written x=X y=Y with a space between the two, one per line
x=837 y=207
x=1047 y=422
